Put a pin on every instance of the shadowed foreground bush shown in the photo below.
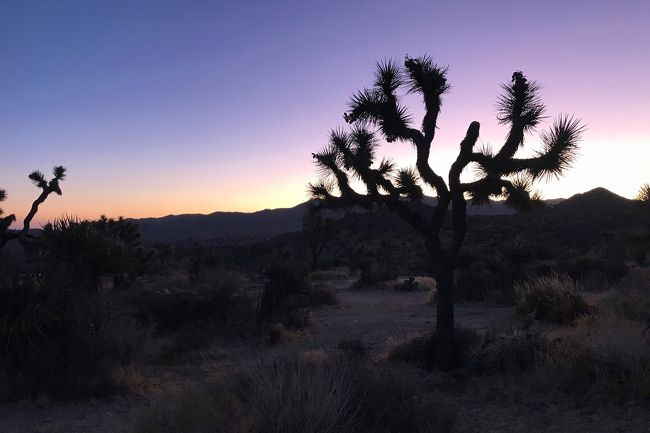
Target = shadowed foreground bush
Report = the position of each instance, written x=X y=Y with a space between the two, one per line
x=551 y=298
x=421 y=350
x=302 y=397
x=287 y=297
x=515 y=351
x=604 y=355
x=60 y=344
x=331 y=396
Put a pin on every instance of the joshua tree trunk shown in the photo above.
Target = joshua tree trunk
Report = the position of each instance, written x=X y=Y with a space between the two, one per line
x=446 y=350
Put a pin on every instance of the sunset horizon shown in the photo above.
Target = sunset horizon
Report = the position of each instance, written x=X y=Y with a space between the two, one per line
x=151 y=118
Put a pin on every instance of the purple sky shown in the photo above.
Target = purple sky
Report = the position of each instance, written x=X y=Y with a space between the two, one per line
x=194 y=106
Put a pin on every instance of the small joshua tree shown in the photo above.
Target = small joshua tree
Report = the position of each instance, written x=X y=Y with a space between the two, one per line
x=377 y=112
x=46 y=187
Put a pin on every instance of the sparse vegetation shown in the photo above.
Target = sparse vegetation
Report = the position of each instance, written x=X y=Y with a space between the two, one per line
x=304 y=396
x=552 y=297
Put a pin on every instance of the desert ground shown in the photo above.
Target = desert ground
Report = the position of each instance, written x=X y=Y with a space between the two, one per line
x=380 y=319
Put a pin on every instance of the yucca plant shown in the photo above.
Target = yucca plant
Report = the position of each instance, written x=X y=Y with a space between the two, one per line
x=552 y=297
x=643 y=196
x=46 y=187
x=377 y=112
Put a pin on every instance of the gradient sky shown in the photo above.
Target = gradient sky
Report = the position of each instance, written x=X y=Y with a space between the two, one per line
x=159 y=107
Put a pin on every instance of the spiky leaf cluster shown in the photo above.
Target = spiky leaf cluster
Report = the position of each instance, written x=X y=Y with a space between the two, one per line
x=3 y=197
x=643 y=196
x=351 y=155
x=520 y=102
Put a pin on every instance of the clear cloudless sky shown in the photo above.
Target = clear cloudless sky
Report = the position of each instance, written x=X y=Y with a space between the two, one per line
x=187 y=106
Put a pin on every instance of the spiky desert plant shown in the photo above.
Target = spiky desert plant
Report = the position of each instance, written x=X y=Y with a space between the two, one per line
x=643 y=196
x=377 y=112
x=5 y=221
x=46 y=187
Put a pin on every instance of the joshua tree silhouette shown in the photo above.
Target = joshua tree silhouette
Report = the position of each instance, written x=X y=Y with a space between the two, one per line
x=378 y=112
x=46 y=187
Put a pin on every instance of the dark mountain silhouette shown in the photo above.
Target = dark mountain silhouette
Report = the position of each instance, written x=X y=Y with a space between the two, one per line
x=250 y=227
x=225 y=227
x=598 y=200
x=599 y=205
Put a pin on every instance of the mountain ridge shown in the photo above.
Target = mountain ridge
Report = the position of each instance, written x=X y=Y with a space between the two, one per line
x=249 y=227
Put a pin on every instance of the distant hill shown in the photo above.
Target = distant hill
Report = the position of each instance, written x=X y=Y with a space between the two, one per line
x=223 y=227
x=244 y=228
x=597 y=223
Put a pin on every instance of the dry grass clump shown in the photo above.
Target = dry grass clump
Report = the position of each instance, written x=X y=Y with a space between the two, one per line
x=638 y=278
x=605 y=352
x=422 y=349
x=553 y=298
x=353 y=348
x=302 y=396
x=212 y=408
x=630 y=304
x=390 y=402
x=515 y=351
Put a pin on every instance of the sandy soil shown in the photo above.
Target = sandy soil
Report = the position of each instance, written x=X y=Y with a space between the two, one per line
x=379 y=318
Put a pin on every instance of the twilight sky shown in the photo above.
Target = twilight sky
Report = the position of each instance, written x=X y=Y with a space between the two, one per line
x=159 y=107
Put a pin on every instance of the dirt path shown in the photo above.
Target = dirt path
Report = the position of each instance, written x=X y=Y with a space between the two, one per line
x=381 y=317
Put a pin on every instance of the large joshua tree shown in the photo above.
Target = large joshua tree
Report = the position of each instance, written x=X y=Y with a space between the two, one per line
x=377 y=112
x=46 y=187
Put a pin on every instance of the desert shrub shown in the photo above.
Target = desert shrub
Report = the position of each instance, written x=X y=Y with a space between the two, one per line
x=173 y=311
x=637 y=279
x=285 y=297
x=627 y=303
x=389 y=404
x=422 y=349
x=218 y=302
x=407 y=285
x=353 y=348
x=213 y=408
x=552 y=298
x=61 y=335
x=514 y=351
x=302 y=396
x=62 y=344
x=417 y=351
x=373 y=273
x=596 y=271
x=602 y=353
x=319 y=296
x=497 y=279
x=93 y=249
